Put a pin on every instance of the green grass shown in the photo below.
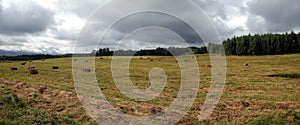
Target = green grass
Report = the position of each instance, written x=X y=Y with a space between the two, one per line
x=17 y=111
x=251 y=84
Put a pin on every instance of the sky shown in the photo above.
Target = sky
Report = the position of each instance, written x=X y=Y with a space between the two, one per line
x=52 y=26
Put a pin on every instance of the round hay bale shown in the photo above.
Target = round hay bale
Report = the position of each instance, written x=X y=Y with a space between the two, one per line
x=30 y=67
x=13 y=68
x=101 y=58
x=23 y=63
x=151 y=60
x=55 y=67
x=245 y=104
x=208 y=66
x=155 y=110
x=246 y=64
x=87 y=70
x=42 y=90
x=33 y=71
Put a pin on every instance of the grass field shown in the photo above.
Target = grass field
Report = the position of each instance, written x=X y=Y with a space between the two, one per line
x=265 y=92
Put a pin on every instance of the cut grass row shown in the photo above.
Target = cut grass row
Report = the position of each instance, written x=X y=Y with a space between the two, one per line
x=251 y=84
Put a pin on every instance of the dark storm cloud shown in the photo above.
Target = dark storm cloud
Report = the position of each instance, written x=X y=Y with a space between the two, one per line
x=148 y=19
x=29 y=18
x=177 y=26
x=274 y=15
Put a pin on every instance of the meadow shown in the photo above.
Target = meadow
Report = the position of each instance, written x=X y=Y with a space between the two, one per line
x=267 y=91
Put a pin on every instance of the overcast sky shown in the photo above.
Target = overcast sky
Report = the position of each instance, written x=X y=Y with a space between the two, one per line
x=52 y=26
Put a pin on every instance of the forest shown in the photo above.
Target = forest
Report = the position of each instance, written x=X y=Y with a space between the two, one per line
x=267 y=44
x=248 y=45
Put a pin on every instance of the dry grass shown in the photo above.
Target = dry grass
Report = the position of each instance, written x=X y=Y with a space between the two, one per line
x=251 y=96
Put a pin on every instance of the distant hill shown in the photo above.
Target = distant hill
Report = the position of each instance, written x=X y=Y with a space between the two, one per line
x=15 y=53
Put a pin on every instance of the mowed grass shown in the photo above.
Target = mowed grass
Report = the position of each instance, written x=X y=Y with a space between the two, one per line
x=265 y=92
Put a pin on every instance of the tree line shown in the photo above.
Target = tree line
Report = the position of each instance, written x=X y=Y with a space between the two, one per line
x=247 y=45
x=33 y=57
x=171 y=51
x=267 y=44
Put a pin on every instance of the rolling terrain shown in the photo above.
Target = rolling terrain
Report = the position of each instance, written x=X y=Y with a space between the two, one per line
x=267 y=91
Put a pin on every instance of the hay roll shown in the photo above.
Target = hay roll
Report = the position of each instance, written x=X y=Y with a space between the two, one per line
x=87 y=70
x=208 y=66
x=13 y=68
x=55 y=67
x=30 y=67
x=23 y=63
x=33 y=71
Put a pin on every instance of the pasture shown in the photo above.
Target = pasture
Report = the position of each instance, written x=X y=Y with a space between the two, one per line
x=265 y=91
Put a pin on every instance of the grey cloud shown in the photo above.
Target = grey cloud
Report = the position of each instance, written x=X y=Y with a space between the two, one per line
x=0 y=6
x=279 y=15
x=12 y=40
x=81 y=8
x=28 y=18
x=220 y=11
x=256 y=24
x=145 y=19
x=19 y=20
x=212 y=7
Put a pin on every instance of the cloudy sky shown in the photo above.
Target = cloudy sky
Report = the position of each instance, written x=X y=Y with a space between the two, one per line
x=52 y=26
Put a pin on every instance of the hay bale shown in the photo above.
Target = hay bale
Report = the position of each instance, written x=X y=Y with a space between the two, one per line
x=101 y=58
x=13 y=68
x=246 y=64
x=23 y=63
x=42 y=90
x=33 y=71
x=151 y=60
x=30 y=67
x=155 y=110
x=87 y=70
x=55 y=67
x=208 y=66
x=245 y=104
